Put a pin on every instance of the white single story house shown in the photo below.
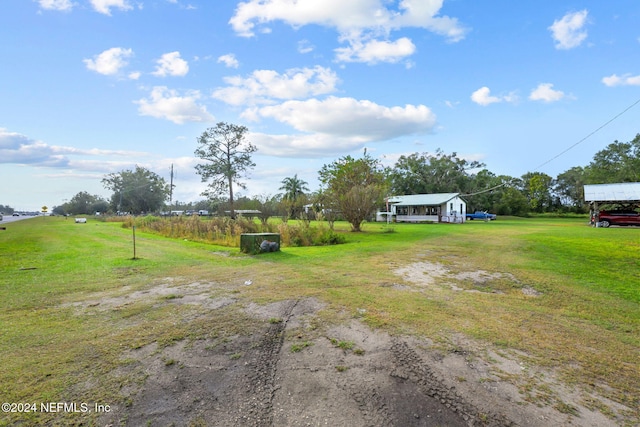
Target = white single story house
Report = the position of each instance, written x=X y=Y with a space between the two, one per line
x=439 y=207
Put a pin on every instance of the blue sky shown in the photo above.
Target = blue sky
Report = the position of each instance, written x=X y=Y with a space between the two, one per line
x=91 y=87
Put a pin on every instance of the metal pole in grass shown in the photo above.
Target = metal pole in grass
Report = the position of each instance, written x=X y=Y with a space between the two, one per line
x=134 y=242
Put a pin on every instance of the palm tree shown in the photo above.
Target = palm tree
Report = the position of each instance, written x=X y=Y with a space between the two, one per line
x=294 y=189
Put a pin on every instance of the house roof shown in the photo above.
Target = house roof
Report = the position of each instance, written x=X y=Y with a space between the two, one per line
x=623 y=192
x=422 y=199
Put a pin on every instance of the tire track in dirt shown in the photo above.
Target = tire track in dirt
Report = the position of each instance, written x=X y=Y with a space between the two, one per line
x=410 y=367
x=372 y=406
x=251 y=380
x=257 y=407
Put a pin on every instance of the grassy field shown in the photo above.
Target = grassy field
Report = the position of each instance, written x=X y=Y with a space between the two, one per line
x=580 y=318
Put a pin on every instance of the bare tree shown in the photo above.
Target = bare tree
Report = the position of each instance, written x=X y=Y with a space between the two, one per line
x=229 y=158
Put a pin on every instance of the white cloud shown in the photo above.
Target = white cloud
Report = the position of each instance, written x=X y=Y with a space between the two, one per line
x=19 y=149
x=346 y=16
x=16 y=148
x=358 y=22
x=624 y=80
x=423 y=14
x=263 y=86
x=483 y=97
x=374 y=51
x=338 y=125
x=545 y=92
x=334 y=13
x=11 y=140
x=62 y=5
x=110 y=61
x=352 y=118
x=305 y=46
x=229 y=60
x=104 y=6
x=135 y=75
x=164 y=103
x=304 y=146
x=170 y=64
x=568 y=32
x=56 y=171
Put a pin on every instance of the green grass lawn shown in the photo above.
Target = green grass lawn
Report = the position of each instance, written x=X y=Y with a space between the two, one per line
x=584 y=323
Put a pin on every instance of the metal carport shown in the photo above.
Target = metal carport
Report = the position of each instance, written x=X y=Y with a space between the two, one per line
x=625 y=193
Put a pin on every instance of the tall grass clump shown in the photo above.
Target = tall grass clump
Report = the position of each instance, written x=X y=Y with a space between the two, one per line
x=218 y=230
x=304 y=234
x=226 y=231
x=127 y=221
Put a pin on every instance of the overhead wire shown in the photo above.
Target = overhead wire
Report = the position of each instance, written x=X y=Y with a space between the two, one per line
x=565 y=151
x=589 y=135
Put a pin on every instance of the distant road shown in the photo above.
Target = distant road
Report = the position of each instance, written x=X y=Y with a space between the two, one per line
x=8 y=218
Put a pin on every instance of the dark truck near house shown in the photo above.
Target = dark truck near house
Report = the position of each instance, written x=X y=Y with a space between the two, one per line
x=486 y=216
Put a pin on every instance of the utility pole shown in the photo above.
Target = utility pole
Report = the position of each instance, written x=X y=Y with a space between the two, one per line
x=171 y=191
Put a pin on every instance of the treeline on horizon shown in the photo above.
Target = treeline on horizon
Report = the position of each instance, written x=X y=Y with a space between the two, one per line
x=418 y=173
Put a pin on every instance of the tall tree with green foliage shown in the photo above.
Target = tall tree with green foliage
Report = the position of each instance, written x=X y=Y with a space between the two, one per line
x=85 y=203
x=537 y=188
x=294 y=193
x=137 y=191
x=354 y=186
x=619 y=162
x=569 y=187
x=512 y=202
x=228 y=156
x=423 y=173
x=487 y=191
x=294 y=187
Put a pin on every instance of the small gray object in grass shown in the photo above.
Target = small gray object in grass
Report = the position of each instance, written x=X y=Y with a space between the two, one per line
x=267 y=246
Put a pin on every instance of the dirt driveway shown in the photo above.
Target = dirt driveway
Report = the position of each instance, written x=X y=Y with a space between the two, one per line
x=291 y=370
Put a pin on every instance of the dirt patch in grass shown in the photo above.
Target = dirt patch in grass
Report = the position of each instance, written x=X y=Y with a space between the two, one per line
x=292 y=369
x=435 y=276
x=509 y=374
x=200 y=294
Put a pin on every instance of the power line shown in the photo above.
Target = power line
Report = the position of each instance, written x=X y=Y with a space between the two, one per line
x=563 y=152
x=485 y=191
x=591 y=134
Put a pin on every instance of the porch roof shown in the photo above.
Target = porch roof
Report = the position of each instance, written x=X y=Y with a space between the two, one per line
x=422 y=199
